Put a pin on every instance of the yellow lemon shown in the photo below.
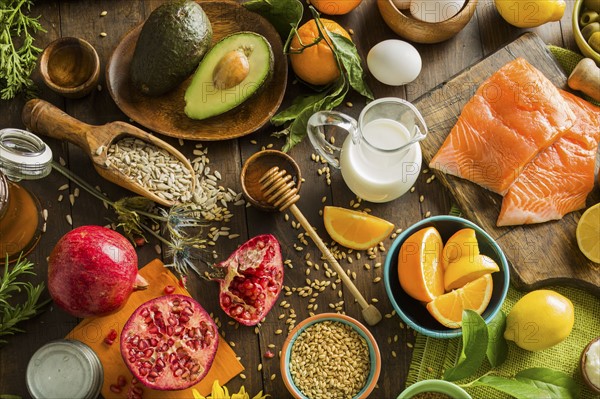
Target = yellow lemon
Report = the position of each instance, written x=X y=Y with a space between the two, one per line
x=463 y=243
x=540 y=320
x=588 y=233
x=530 y=13
x=353 y=229
x=466 y=269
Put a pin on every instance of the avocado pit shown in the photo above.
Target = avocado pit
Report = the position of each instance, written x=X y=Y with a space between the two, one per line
x=232 y=69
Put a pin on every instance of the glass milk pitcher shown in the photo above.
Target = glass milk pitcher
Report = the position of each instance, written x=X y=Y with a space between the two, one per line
x=381 y=157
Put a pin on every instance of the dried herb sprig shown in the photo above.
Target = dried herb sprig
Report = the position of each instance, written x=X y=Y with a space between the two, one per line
x=11 y=315
x=138 y=216
x=17 y=62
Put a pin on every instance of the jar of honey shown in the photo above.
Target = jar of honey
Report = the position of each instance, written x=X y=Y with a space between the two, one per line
x=22 y=156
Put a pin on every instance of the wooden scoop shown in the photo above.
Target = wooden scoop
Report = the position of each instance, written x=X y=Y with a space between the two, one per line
x=44 y=118
x=280 y=190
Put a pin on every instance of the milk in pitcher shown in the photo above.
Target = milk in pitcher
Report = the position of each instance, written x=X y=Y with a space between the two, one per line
x=373 y=169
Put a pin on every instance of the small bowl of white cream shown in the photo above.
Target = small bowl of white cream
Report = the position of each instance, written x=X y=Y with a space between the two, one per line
x=590 y=365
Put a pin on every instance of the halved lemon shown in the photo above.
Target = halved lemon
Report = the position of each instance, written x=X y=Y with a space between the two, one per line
x=461 y=244
x=467 y=269
x=353 y=229
x=419 y=269
x=588 y=233
x=448 y=308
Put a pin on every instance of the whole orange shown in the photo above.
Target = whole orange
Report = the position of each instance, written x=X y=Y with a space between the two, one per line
x=335 y=7
x=315 y=64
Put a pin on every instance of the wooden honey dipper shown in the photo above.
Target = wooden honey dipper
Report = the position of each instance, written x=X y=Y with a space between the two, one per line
x=280 y=190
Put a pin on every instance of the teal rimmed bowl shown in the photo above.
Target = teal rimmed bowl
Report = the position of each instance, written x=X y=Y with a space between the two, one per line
x=439 y=386
x=374 y=355
x=413 y=312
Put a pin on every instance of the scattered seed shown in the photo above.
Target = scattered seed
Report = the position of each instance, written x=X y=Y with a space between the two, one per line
x=69 y=220
x=273 y=376
x=377 y=279
x=421 y=198
x=63 y=187
x=103 y=13
x=102 y=34
x=242 y=376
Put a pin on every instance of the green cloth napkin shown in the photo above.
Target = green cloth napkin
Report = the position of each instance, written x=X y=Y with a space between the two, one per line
x=433 y=355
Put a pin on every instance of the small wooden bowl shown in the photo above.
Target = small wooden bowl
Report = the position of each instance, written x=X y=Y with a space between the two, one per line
x=70 y=66
x=584 y=375
x=256 y=166
x=425 y=32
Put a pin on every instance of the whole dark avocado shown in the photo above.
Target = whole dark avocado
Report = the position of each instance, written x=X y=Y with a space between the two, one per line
x=171 y=44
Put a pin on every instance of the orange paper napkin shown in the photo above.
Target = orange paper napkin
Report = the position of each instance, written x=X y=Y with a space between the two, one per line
x=92 y=331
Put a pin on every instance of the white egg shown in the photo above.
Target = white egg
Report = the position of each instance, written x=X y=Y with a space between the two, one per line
x=394 y=62
x=435 y=11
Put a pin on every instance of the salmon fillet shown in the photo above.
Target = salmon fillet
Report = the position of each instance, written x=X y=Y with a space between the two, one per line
x=513 y=116
x=560 y=178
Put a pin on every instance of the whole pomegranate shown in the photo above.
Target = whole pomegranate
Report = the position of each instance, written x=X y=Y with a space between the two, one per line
x=92 y=270
x=169 y=343
x=253 y=279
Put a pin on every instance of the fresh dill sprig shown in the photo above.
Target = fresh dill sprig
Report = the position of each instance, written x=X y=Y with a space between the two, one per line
x=17 y=62
x=183 y=223
x=11 y=315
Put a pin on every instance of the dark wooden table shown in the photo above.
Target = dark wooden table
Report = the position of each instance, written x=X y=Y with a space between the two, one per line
x=485 y=33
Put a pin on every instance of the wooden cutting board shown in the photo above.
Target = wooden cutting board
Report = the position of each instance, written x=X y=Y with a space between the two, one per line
x=92 y=331
x=541 y=254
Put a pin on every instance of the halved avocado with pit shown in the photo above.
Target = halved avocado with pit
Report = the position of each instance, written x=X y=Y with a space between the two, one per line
x=230 y=73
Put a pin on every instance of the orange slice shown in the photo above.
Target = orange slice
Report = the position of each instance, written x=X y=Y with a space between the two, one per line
x=419 y=269
x=462 y=244
x=588 y=233
x=466 y=269
x=353 y=229
x=448 y=308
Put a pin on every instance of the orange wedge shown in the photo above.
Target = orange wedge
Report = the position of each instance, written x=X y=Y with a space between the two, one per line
x=465 y=270
x=419 y=269
x=448 y=308
x=353 y=229
x=462 y=244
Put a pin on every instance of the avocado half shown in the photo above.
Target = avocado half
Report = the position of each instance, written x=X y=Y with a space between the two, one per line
x=171 y=44
x=230 y=73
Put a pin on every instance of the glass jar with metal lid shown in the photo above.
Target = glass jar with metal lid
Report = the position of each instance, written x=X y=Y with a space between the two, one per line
x=65 y=369
x=23 y=156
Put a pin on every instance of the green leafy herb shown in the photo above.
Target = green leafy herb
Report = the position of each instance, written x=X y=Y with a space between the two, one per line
x=497 y=348
x=480 y=340
x=284 y=15
x=17 y=62
x=515 y=388
x=11 y=315
x=7 y=396
x=349 y=62
x=475 y=340
x=138 y=216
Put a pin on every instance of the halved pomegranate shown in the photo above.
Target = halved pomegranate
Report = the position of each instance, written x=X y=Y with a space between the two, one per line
x=169 y=343
x=253 y=279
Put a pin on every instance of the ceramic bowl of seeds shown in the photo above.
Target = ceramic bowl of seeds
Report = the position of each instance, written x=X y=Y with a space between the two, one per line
x=330 y=356
x=434 y=389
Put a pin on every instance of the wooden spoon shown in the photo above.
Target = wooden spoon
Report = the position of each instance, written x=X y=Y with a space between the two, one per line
x=280 y=191
x=44 y=118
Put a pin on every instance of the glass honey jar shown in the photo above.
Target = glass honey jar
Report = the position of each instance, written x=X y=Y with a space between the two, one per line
x=22 y=156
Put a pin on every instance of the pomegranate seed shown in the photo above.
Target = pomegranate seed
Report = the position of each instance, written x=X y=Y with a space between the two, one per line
x=169 y=289
x=183 y=281
x=121 y=381
x=115 y=388
x=139 y=241
x=110 y=338
x=138 y=390
x=269 y=355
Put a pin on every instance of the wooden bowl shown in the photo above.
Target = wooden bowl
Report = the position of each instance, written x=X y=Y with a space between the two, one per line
x=165 y=114
x=403 y=24
x=70 y=66
x=256 y=166
x=584 y=375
